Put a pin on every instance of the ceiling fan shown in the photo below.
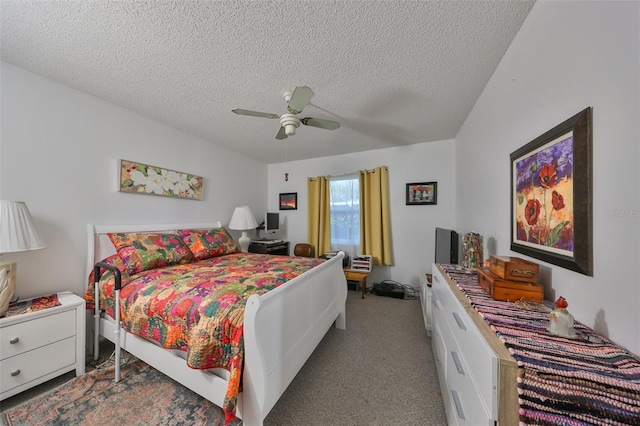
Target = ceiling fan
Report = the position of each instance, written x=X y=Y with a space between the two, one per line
x=296 y=101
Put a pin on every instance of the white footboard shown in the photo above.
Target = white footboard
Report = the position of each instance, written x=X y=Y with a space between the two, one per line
x=281 y=330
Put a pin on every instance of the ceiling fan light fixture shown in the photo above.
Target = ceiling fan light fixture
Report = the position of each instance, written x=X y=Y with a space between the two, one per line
x=290 y=122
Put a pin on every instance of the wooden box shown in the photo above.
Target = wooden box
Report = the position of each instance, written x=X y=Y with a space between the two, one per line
x=514 y=269
x=500 y=289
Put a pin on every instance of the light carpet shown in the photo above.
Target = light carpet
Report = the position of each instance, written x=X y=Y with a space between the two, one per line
x=379 y=371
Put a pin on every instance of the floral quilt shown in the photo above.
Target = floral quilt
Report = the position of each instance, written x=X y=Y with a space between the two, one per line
x=199 y=307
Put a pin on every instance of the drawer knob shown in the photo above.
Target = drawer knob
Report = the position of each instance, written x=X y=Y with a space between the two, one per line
x=456 y=361
x=14 y=340
x=437 y=303
x=459 y=321
x=458 y=404
x=14 y=373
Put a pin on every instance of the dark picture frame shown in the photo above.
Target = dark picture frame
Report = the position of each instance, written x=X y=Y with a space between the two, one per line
x=421 y=193
x=551 y=195
x=288 y=201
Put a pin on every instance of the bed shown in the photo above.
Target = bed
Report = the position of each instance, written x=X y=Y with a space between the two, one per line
x=281 y=327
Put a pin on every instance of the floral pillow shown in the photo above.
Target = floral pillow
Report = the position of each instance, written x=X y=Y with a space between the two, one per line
x=207 y=243
x=140 y=251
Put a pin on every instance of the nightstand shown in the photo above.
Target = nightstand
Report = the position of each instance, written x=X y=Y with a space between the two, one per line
x=38 y=346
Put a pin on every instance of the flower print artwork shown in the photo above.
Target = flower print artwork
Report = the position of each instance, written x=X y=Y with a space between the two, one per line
x=552 y=195
x=144 y=179
x=544 y=196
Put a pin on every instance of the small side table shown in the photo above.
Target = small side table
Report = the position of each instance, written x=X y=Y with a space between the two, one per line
x=357 y=276
x=40 y=345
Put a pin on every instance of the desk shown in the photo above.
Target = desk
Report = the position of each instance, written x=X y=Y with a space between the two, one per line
x=278 y=248
x=357 y=276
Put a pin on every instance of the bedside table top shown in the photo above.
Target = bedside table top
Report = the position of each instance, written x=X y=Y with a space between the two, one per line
x=67 y=299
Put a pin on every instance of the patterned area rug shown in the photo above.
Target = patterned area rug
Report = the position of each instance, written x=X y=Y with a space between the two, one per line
x=144 y=396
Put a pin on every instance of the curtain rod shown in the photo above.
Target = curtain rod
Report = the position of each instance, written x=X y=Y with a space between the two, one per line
x=351 y=173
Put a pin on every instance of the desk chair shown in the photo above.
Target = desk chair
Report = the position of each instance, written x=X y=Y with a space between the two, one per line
x=303 y=249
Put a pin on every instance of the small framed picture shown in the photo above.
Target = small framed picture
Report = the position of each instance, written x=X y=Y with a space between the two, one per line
x=421 y=193
x=289 y=201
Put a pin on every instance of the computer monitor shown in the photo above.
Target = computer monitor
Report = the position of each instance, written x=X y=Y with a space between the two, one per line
x=271 y=222
x=447 y=247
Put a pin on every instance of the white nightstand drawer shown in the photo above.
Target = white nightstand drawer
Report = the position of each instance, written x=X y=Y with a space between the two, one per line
x=34 y=364
x=35 y=333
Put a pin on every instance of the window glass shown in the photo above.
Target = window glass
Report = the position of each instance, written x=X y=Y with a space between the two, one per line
x=344 y=202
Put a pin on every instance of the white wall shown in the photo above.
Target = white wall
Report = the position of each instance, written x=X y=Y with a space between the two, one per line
x=567 y=56
x=59 y=152
x=413 y=227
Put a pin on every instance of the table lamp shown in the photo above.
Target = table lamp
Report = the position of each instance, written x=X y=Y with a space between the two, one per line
x=243 y=220
x=16 y=234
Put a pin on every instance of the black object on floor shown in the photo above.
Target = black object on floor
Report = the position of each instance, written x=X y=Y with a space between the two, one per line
x=388 y=290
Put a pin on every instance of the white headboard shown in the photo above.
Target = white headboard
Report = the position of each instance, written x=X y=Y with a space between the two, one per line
x=99 y=245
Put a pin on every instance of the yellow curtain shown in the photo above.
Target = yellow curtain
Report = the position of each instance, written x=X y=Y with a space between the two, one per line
x=375 y=221
x=318 y=214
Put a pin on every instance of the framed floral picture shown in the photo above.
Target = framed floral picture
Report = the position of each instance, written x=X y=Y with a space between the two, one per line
x=145 y=179
x=551 y=196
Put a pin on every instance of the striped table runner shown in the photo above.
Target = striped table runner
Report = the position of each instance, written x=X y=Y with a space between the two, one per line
x=584 y=381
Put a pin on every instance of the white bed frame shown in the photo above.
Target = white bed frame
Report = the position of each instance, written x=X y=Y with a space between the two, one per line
x=281 y=329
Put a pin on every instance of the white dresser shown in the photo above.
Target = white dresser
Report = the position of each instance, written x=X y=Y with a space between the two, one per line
x=425 y=300
x=38 y=346
x=476 y=373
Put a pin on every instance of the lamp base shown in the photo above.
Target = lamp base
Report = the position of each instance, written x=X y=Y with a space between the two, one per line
x=7 y=285
x=244 y=242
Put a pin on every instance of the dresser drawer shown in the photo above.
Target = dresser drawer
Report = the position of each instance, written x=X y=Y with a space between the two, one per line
x=477 y=355
x=35 y=333
x=463 y=399
x=448 y=300
x=466 y=405
x=438 y=342
x=21 y=369
x=439 y=349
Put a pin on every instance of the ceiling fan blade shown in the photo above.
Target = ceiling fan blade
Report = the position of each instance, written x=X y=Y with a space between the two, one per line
x=254 y=113
x=300 y=98
x=321 y=123
x=281 y=134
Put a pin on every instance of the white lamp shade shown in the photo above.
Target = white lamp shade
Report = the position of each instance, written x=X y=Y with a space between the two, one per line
x=243 y=219
x=17 y=232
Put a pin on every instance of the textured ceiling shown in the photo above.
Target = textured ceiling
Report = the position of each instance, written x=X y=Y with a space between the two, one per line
x=391 y=72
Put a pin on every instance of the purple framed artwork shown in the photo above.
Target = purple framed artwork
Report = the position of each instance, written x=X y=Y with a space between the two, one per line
x=551 y=196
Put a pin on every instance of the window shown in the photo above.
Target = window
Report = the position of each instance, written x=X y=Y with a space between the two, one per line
x=344 y=201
